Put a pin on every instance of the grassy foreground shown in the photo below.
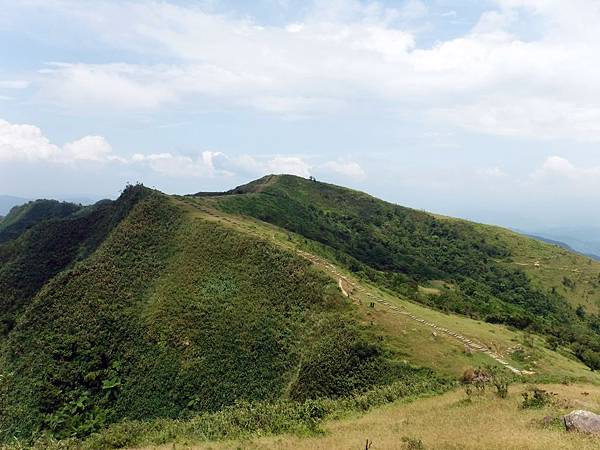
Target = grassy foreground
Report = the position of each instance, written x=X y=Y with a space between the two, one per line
x=448 y=421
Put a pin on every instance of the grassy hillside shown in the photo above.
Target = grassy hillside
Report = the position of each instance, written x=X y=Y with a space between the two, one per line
x=48 y=237
x=410 y=339
x=171 y=315
x=20 y=218
x=448 y=264
x=156 y=318
x=450 y=421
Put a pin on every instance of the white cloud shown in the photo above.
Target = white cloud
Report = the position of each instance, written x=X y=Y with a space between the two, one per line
x=123 y=86
x=13 y=84
x=175 y=165
x=348 y=169
x=536 y=118
x=563 y=178
x=557 y=167
x=292 y=165
x=89 y=148
x=27 y=143
x=345 y=51
x=24 y=142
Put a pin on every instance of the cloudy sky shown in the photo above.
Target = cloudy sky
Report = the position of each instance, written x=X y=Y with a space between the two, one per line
x=488 y=110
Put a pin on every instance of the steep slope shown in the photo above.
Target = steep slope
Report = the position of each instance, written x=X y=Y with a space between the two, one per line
x=169 y=314
x=20 y=218
x=7 y=202
x=45 y=237
x=423 y=336
x=450 y=264
x=131 y=317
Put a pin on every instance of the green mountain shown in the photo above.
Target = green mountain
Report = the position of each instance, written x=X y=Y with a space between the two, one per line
x=20 y=218
x=402 y=249
x=7 y=202
x=151 y=312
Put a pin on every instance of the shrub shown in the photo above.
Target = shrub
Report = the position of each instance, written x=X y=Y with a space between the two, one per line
x=536 y=398
x=410 y=443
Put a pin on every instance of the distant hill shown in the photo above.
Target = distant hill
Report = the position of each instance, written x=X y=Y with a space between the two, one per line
x=272 y=305
x=20 y=218
x=585 y=240
x=562 y=245
x=549 y=241
x=7 y=202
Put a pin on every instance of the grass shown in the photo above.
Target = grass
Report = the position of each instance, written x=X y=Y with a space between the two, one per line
x=449 y=421
x=447 y=264
x=548 y=265
x=178 y=311
x=411 y=340
x=246 y=420
x=175 y=314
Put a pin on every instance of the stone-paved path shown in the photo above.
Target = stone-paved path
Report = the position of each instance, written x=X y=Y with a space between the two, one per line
x=477 y=346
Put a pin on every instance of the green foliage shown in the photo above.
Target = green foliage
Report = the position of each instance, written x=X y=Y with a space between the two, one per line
x=342 y=361
x=398 y=248
x=410 y=443
x=20 y=218
x=51 y=245
x=247 y=419
x=163 y=315
x=62 y=361
x=536 y=398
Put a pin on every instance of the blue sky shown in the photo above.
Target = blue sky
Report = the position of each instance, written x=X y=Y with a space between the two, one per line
x=488 y=110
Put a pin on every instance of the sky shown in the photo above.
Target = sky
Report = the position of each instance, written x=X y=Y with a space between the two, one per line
x=483 y=109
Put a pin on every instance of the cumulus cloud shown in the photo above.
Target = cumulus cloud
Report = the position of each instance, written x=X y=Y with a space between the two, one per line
x=349 y=169
x=175 y=165
x=343 y=52
x=89 y=148
x=557 y=169
x=288 y=164
x=27 y=143
x=24 y=142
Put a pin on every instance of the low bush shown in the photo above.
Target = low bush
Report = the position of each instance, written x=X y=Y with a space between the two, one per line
x=536 y=398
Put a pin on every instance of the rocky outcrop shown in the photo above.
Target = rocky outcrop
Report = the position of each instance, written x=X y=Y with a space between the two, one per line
x=583 y=421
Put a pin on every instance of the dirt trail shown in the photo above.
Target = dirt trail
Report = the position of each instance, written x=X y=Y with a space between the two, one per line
x=477 y=346
x=346 y=285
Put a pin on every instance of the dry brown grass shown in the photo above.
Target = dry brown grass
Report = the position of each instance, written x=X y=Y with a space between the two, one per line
x=447 y=422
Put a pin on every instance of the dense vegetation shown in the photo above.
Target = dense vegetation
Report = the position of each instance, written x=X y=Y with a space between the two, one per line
x=48 y=237
x=148 y=315
x=146 y=312
x=399 y=248
x=20 y=218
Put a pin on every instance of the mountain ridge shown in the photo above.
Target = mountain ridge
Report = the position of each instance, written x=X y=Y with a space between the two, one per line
x=166 y=307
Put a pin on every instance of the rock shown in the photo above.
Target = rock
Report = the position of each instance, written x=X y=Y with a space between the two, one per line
x=583 y=421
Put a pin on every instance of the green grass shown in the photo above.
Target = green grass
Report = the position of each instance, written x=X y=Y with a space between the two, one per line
x=245 y=420
x=155 y=319
x=175 y=314
x=20 y=218
x=407 y=251
x=548 y=265
x=408 y=339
